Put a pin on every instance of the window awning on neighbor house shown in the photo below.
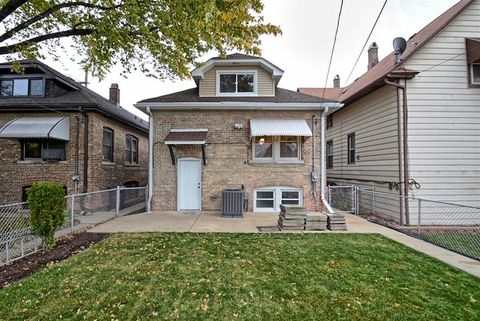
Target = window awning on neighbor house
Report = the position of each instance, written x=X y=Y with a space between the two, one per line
x=279 y=127
x=473 y=49
x=37 y=127
x=186 y=137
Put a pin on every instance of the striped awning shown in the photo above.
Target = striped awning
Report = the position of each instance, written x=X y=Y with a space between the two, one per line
x=37 y=127
x=279 y=127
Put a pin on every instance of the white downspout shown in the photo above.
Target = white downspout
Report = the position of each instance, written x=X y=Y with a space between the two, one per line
x=323 y=164
x=150 y=159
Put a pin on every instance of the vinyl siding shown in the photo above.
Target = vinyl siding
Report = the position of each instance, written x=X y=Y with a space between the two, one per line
x=374 y=121
x=444 y=116
x=265 y=83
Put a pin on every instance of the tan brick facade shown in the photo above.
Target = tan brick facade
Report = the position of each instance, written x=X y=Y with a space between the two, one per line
x=229 y=156
x=16 y=174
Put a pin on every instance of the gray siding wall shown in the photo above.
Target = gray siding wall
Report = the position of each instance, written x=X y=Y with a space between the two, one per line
x=265 y=83
x=444 y=116
x=373 y=119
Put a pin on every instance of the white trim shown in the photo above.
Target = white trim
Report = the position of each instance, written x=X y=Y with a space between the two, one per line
x=185 y=142
x=277 y=197
x=234 y=105
x=276 y=152
x=200 y=71
x=220 y=72
x=186 y=130
x=472 y=81
x=178 y=183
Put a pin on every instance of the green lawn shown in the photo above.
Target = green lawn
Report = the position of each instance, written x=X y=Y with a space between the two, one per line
x=245 y=277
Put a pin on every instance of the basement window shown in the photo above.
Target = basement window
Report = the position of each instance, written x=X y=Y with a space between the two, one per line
x=269 y=199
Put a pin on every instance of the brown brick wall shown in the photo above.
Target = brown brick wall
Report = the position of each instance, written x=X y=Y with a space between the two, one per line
x=107 y=175
x=14 y=174
x=229 y=158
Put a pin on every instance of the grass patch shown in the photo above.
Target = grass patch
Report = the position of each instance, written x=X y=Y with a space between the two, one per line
x=245 y=277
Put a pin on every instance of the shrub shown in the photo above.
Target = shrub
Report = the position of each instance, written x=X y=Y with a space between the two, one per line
x=46 y=202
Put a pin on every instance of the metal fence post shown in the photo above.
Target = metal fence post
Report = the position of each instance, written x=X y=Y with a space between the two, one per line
x=117 y=204
x=329 y=195
x=72 y=212
x=419 y=222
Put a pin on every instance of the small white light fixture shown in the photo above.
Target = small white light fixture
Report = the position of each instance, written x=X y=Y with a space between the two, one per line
x=238 y=126
x=261 y=141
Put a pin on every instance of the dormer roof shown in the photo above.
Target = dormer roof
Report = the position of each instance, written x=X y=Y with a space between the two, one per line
x=237 y=59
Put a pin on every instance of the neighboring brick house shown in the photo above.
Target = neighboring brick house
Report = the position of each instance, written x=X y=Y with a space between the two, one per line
x=412 y=127
x=54 y=129
x=235 y=129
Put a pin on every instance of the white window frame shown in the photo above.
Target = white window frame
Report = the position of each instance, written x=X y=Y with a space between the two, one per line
x=277 y=197
x=472 y=81
x=236 y=72
x=276 y=152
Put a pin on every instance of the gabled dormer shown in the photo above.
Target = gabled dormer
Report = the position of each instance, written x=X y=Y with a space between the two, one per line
x=237 y=75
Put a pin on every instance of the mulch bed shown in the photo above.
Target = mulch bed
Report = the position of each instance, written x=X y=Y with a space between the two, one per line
x=65 y=247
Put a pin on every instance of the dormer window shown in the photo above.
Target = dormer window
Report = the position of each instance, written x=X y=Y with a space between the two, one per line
x=21 y=87
x=233 y=83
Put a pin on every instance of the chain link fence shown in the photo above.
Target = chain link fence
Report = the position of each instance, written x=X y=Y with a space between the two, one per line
x=81 y=211
x=455 y=227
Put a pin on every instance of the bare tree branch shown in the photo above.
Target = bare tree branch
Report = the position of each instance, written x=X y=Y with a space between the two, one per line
x=49 y=12
x=55 y=35
x=10 y=7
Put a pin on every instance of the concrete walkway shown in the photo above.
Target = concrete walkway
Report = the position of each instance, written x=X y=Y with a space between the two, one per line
x=213 y=222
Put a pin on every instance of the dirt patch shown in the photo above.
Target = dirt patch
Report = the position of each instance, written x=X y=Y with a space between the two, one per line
x=64 y=248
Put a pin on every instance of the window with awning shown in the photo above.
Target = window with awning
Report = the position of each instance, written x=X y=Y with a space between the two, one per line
x=278 y=139
x=473 y=60
x=37 y=127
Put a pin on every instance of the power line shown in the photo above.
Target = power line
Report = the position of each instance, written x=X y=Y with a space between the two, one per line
x=366 y=41
x=333 y=48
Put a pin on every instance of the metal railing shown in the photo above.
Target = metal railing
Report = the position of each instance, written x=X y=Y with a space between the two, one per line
x=81 y=211
x=453 y=226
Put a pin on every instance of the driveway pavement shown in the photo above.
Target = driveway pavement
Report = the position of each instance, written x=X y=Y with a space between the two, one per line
x=213 y=222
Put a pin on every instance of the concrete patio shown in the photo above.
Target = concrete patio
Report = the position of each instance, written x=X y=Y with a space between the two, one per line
x=200 y=222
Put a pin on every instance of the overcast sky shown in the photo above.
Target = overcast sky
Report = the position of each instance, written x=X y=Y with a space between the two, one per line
x=303 y=50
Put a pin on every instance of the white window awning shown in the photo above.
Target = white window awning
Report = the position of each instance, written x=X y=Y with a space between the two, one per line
x=279 y=127
x=37 y=127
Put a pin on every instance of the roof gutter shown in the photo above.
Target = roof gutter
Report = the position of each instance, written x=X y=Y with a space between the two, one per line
x=233 y=105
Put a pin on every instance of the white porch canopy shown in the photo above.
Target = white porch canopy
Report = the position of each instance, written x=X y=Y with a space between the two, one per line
x=279 y=127
x=37 y=127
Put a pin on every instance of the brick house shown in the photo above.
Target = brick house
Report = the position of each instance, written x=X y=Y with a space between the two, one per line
x=235 y=129
x=54 y=129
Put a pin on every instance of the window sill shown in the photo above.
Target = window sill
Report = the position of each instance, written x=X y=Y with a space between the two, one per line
x=108 y=163
x=280 y=162
x=39 y=161
x=131 y=165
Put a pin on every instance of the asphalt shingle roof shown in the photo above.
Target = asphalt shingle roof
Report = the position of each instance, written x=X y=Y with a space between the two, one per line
x=373 y=78
x=81 y=96
x=281 y=96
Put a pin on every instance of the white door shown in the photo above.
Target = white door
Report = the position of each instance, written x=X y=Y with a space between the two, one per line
x=189 y=184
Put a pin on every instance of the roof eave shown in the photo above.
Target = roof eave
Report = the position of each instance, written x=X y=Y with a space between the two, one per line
x=234 y=105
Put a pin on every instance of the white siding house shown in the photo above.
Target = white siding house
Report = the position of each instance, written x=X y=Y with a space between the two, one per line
x=438 y=146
